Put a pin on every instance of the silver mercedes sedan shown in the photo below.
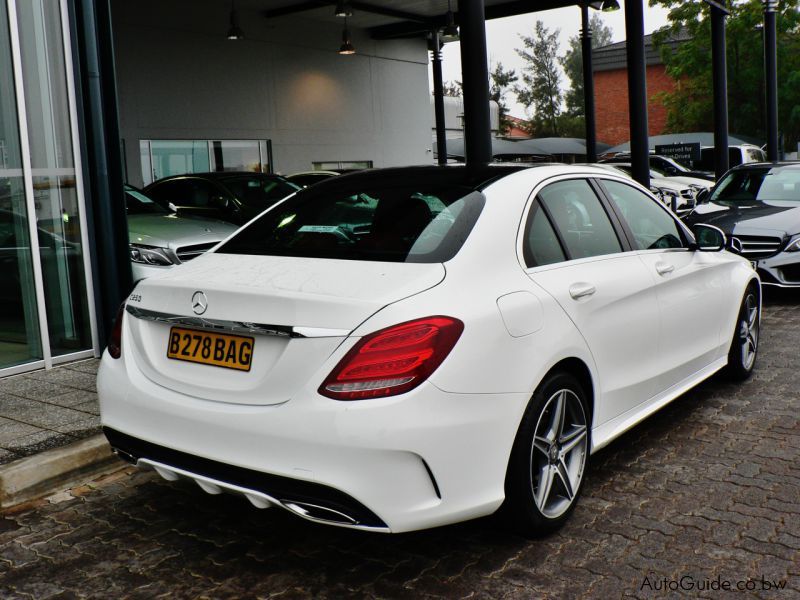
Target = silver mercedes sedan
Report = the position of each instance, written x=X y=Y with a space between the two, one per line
x=160 y=239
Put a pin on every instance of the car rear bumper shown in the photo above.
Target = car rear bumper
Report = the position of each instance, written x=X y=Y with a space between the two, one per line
x=419 y=460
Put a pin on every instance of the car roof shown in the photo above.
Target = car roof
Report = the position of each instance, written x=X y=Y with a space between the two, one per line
x=218 y=175
x=793 y=164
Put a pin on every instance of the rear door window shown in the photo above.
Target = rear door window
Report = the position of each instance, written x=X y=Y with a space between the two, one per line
x=394 y=223
x=580 y=219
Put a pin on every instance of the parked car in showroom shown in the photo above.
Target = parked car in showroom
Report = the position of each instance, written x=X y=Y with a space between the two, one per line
x=160 y=239
x=461 y=348
x=232 y=196
x=759 y=204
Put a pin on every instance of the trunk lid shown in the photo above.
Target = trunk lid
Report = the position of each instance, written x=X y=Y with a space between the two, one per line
x=322 y=299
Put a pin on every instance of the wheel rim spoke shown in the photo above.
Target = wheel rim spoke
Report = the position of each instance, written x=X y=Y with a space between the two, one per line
x=563 y=475
x=542 y=445
x=545 y=485
x=557 y=418
x=572 y=439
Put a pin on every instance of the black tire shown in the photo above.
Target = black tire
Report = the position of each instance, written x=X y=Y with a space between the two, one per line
x=531 y=509
x=743 y=352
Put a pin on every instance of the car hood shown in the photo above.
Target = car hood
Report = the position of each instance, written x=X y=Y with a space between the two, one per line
x=171 y=231
x=758 y=218
x=668 y=184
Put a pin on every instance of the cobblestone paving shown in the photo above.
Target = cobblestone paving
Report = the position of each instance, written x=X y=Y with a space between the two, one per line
x=708 y=489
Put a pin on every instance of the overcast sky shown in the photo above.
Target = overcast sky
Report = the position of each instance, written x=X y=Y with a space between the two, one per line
x=502 y=37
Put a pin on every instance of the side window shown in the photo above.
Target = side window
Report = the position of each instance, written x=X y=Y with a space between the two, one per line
x=580 y=219
x=540 y=246
x=652 y=226
x=184 y=192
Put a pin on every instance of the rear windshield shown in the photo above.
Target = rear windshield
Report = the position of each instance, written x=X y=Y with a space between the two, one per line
x=394 y=223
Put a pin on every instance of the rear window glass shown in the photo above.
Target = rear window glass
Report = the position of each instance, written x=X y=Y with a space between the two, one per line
x=398 y=223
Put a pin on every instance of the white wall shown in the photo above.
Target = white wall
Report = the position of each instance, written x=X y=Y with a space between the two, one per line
x=179 y=78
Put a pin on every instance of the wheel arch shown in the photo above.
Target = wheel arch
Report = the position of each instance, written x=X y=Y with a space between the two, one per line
x=580 y=370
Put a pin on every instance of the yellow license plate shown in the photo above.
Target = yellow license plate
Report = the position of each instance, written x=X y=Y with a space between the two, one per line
x=216 y=349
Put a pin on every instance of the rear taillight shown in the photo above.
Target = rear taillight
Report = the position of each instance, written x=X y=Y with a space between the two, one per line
x=393 y=360
x=115 y=342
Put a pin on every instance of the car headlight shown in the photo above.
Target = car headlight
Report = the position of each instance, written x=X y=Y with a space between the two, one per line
x=794 y=246
x=150 y=255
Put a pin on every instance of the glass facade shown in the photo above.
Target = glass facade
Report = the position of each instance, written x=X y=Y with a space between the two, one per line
x=44 y=296
x=162 y=158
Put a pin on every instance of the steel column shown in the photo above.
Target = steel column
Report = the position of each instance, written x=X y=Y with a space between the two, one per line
x=588 y=85
x=438 y=97
x=719 y=74
x=475 y=76
x=94 y=70
x=637 y=90
x=771 y=77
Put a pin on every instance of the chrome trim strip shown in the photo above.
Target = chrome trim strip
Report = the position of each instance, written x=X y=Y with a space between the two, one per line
x=234 y=326
x=212 y=324
x=229 y=487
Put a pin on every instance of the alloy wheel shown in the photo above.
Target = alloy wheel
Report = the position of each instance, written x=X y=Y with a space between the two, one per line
x=748 y=332
x=558 y=453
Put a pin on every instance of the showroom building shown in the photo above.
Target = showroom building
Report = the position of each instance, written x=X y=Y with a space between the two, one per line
x=186 y=99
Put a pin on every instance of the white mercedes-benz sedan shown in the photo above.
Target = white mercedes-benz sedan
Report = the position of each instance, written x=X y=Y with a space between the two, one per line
x=404 y=348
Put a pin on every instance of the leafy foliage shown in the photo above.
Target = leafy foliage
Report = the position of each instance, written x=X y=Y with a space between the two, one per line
x=454 y=89
x=541 y=89
x=690 y=106
x=500 y=80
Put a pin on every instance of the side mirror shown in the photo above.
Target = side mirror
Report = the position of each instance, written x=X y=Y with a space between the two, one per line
x=702 y=196
x=708 y=238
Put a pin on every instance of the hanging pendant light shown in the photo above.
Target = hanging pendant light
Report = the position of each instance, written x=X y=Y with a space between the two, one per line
x=450 y=31
x=343 y=9
x=347 y=45
x=234 y=31
x=610 y=6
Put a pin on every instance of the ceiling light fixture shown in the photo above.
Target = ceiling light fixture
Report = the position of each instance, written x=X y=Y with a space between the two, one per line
x=343 y=9
x=610 y=6
x=347 y=45
x=234 y=31
x=450 y=31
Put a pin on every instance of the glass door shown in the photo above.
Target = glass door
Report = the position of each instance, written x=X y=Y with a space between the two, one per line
x=46 y=304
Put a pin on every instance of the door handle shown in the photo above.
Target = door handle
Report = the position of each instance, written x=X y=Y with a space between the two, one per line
x=581 y=290
x=663 y=268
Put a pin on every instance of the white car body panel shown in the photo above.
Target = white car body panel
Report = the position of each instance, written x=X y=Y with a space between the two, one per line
x=438 y=453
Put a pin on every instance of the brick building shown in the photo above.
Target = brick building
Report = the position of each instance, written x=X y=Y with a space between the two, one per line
x=611 y=90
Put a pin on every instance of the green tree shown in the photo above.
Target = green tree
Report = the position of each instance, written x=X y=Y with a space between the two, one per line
x=541 y=89
x=690 y=106
x=454 y=89
x=572 y=62
x=500 y=80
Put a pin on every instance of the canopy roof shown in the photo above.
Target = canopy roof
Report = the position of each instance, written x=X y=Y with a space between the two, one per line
x=533 y=147
x=397 y=18
x=704 y=138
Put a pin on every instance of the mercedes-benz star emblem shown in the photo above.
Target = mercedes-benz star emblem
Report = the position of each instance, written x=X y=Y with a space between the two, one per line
x=199 y=303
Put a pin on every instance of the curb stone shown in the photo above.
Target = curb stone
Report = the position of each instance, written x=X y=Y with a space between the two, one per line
x=54 y=470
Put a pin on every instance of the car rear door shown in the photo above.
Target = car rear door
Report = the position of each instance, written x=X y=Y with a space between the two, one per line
x=574 y=249
x=690 y=285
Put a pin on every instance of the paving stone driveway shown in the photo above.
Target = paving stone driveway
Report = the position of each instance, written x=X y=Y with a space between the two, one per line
x=707 y=491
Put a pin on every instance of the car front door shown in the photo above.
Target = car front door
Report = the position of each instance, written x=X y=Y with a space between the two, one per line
x=690 y=285
x=575 y=250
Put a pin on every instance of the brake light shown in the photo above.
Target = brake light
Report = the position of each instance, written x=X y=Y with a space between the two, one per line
x=115 y=342
x=393 y=360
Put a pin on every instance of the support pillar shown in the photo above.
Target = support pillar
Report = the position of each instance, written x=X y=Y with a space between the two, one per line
x=637 y=91
x=771 y=77
x=438 y=97
x=475 y=76
x=719 y=74
x=588 y=86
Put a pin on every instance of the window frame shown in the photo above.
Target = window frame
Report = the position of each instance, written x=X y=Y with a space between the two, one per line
x=534 y=201
x=687 y=238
